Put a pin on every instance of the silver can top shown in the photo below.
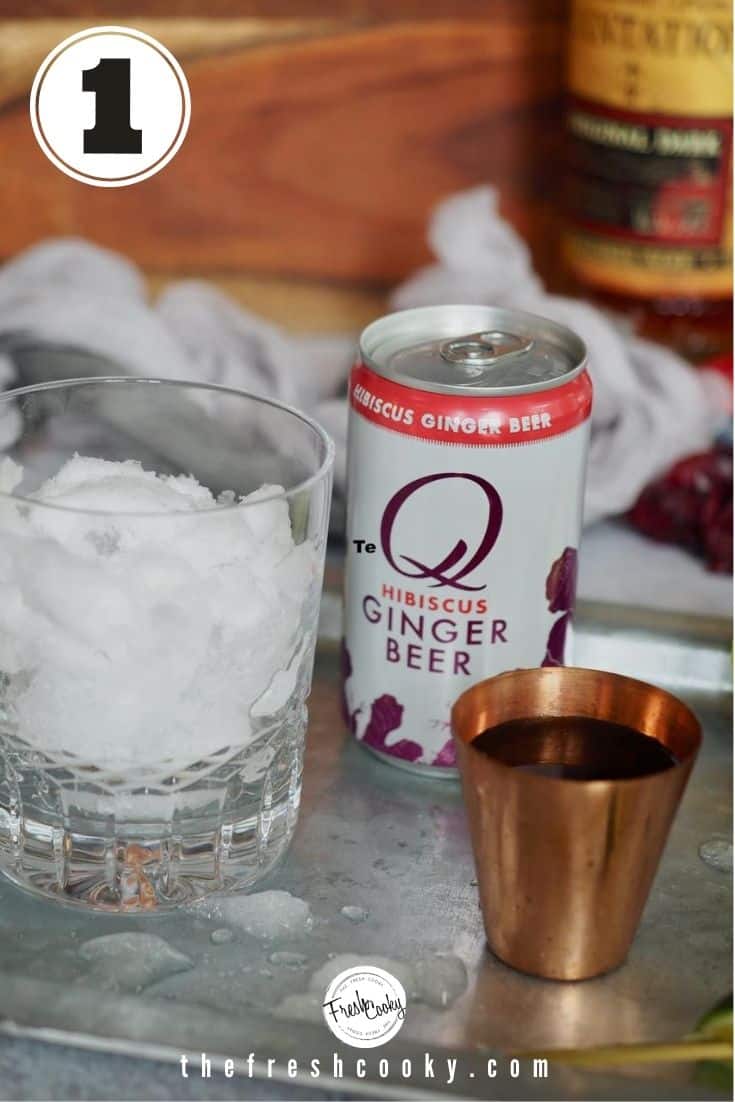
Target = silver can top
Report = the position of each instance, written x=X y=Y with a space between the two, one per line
x=479 y=350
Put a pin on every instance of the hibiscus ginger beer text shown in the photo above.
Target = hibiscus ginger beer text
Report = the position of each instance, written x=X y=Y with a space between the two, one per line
x=467 y=447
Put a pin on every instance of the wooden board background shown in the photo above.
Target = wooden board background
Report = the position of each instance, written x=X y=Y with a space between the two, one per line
x=321 y=136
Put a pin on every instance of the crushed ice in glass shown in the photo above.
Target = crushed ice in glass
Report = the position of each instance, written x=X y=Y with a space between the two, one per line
x=119 y=598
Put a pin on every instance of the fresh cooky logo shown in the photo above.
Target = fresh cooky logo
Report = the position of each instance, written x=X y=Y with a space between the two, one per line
x=365 y=1007
x=460 y=561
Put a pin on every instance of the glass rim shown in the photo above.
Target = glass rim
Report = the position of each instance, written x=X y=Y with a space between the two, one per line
x=323 y=470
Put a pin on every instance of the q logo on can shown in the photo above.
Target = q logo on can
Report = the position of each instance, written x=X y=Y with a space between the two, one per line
x=460 y=560
x=365 y=1006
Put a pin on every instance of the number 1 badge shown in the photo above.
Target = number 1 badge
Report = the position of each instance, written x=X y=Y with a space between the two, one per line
x=110 y=106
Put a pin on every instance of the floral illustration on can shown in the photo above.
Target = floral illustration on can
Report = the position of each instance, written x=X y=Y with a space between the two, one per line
x=561 y=589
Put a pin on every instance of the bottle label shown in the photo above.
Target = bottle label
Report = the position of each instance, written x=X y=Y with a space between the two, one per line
x=650 y=131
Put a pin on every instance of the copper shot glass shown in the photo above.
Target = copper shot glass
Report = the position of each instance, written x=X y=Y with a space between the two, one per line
x=565 y=866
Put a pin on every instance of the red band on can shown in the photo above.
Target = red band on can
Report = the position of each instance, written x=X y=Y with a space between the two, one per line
x=470 y=420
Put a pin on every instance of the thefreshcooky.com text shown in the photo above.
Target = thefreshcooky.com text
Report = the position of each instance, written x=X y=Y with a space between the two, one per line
x=430 y=1068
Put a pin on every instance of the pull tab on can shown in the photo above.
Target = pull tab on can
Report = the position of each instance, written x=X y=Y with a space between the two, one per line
x=484 y=349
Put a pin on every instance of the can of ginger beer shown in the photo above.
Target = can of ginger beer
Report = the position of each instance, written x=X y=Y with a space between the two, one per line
x=468 y=436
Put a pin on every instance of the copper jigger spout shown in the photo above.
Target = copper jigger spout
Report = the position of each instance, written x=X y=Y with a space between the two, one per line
x=565 y=866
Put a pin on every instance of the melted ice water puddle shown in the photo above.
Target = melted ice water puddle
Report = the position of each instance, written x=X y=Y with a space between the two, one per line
x=264 y=915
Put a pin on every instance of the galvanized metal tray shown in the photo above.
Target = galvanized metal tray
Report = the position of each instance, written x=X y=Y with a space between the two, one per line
x=377 y=838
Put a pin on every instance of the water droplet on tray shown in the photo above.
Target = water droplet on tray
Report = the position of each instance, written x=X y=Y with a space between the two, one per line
x=288 y=960
x=717 y=853
x=440 y=980
x=221 y=936
x=354 y=914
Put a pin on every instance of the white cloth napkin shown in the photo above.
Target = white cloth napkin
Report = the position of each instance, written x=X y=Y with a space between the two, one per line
x=650 y=407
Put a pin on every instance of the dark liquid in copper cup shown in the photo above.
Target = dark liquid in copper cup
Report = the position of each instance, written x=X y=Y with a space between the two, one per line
x=571 y=779
x=575 y=748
